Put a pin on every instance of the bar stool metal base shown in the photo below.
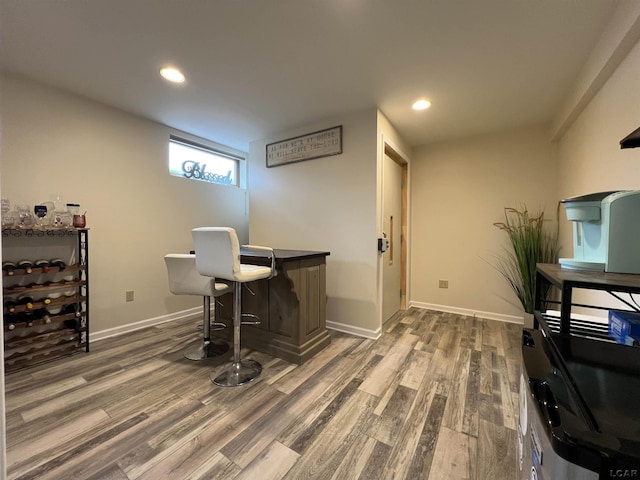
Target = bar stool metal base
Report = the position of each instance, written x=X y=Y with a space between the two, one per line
x=238 y=373
x=206 y=349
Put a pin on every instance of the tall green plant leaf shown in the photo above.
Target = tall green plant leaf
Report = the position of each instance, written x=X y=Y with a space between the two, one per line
x=531 y=241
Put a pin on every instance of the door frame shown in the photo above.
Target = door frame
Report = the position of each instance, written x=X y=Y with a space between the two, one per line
x=398 y=156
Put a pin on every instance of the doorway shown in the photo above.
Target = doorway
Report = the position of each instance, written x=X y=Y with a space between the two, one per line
x=394 y=226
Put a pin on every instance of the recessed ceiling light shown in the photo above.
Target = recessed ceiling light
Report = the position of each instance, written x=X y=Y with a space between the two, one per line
x=421 y=104
x=172 y=74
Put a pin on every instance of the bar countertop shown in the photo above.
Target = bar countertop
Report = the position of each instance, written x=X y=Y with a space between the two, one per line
x=283 y=255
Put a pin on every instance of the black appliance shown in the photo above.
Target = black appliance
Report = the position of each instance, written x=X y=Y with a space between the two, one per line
x=580 y=391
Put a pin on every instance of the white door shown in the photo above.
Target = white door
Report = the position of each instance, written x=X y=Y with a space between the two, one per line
x=392 y=259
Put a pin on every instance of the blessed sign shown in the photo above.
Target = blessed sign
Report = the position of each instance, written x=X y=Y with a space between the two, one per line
x=194 y=170
x=305 y=147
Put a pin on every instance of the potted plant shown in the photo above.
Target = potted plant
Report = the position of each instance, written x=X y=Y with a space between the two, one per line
x=531 y=241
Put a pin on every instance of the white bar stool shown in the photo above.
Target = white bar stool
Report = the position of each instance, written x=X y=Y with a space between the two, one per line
x=184 y=279
x=218 y=256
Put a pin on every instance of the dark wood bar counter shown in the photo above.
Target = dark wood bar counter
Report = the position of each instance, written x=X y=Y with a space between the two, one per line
x=291 y=305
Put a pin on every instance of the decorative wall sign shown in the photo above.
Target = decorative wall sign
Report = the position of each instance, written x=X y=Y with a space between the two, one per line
x=305 y=147
x=194 y=170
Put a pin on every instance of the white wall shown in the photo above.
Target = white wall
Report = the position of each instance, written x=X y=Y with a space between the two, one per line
x=325 y=204
x=115 y=165
x=590 y=158
x=589 y=152
x=459 y=189
x=388 y=133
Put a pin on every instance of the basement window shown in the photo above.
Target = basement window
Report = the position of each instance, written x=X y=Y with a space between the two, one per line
x=188 y=159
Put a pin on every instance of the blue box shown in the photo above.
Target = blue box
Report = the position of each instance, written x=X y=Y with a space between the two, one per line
x=624 y=327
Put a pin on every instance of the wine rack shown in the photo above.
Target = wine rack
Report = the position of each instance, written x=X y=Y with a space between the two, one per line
x=56 y=321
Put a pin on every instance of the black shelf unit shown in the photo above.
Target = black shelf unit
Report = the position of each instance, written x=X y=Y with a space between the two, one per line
x=566 y=281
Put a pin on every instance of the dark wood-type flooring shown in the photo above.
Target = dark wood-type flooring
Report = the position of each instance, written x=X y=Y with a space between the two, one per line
x=436 y=397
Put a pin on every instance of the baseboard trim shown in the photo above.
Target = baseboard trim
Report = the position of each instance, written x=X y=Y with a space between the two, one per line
x=121 y=330
x=465 y=311
x=357 y=331
x=338 y=327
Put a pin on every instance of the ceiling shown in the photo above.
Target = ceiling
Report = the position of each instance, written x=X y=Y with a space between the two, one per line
x=255 y=68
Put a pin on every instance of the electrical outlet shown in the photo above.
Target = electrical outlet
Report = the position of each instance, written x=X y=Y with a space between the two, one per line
x=443 y=283
x=129 y=295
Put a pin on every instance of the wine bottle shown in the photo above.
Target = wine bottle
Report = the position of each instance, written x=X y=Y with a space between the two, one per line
x=26 y=300
x=8 y=267
x=26 y=265
x=43 y=264
x=74 y=308
x=57 y=262
x=43 y=314
x=74 y=324
x=27 y=318
x=45 y=300
x=22 y=318
x=11 y=320
x=10 y=305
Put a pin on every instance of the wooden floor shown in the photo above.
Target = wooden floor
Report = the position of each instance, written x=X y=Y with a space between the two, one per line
x=434 y=398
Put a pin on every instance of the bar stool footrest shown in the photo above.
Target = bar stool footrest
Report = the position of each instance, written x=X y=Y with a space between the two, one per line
x=256 y=320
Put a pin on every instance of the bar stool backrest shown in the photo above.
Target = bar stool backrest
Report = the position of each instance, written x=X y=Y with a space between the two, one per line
x=184 y=279
x=217 y=252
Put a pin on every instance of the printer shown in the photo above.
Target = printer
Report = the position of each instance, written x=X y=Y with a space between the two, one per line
x=606 y=231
